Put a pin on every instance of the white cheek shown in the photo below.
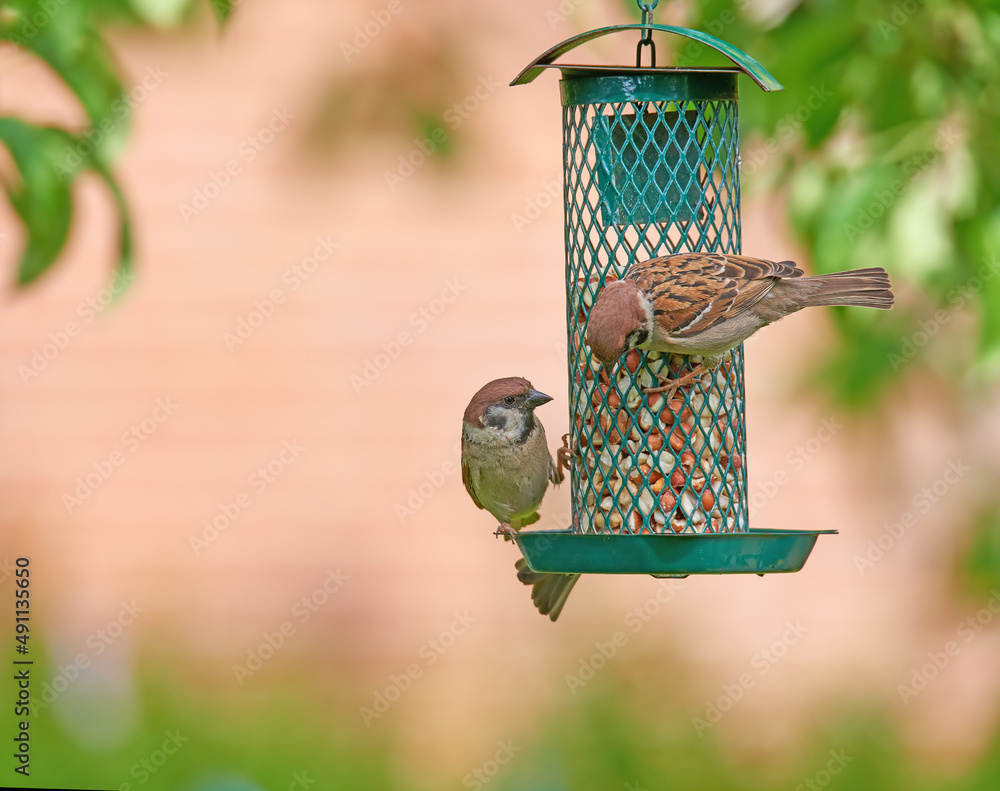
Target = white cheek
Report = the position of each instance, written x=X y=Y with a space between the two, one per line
x=509 y=432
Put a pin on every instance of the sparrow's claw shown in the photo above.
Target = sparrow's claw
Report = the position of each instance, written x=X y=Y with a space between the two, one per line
x=672 y=384
x=504 y=530
x=564 y=458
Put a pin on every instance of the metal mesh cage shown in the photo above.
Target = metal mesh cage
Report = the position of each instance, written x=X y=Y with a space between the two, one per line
x=651 y=169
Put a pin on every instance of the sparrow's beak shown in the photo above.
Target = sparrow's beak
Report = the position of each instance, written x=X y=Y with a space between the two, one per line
x=535 y=399
x=609 y=368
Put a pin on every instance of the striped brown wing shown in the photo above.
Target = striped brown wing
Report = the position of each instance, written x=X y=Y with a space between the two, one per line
x=692 y=292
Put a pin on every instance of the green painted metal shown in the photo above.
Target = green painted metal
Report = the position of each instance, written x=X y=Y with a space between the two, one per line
x=743 y=62
x=577 y=88
x=753 y=552
x=659 y=482
x=645 y=178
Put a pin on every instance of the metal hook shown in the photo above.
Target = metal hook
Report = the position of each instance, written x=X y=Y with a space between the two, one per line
x=647 y=35
x=644 y=42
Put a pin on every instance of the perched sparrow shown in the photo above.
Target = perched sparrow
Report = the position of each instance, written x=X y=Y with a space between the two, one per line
x=506 y=468
x=707 y=303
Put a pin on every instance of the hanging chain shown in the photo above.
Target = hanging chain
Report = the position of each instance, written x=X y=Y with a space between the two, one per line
x=647 y=34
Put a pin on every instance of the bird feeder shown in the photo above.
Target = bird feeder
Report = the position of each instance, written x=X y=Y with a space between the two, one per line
x=652 y=168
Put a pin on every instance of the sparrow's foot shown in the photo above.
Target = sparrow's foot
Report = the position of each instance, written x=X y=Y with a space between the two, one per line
x=504 y=530
x=564 y=457
x=672 y=384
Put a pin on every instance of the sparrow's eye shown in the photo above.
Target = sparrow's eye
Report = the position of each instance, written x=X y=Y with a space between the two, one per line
x=509 y=400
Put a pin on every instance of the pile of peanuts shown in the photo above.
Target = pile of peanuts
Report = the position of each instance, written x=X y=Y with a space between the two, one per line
x=658 y=462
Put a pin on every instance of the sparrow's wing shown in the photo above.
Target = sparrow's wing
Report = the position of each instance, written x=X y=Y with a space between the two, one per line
x=470 y=485
x=692 y=292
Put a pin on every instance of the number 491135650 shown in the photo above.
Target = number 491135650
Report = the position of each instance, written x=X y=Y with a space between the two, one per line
x=21 y=604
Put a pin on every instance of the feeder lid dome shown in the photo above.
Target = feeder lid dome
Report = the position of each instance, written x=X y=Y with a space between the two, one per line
x=744 y=63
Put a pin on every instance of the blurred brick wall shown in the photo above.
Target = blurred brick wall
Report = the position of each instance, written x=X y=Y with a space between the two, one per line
x=254 y=323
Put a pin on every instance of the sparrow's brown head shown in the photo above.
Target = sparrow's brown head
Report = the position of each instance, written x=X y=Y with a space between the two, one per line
x=500 y=395
x=618 y=322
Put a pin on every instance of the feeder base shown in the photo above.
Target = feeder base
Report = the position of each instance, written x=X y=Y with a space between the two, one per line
x=668 y=555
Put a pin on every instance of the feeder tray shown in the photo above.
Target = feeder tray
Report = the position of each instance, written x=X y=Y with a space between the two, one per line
x=663 y=555
x=651 y=168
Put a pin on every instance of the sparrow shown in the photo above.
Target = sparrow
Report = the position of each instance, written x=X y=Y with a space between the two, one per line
x=506 y=468
x=708 y=303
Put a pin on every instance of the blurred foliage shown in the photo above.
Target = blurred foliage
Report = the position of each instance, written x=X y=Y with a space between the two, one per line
x=277 y=733
x=66 y=35
x=193 y=739
x=886 y=142
x=981 y=560
x=399 y=83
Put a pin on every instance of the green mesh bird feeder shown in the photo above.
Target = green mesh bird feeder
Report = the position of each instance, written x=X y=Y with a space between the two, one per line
x=652 y=168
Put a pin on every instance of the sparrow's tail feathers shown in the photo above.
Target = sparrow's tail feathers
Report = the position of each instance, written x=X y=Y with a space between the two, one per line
x=867 y=288
x=548 y=591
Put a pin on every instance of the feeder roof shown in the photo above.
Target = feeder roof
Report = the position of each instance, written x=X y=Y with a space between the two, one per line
x=744 y=63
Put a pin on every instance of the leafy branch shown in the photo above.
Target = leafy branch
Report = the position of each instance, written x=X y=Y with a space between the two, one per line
x=65 y=34
x=886 y=142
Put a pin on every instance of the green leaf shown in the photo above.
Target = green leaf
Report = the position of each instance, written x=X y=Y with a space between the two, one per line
x=223 y=9
x=125 y=259
x=90 y=74
x=161 y=13
x=42 y=198
x=65 y=40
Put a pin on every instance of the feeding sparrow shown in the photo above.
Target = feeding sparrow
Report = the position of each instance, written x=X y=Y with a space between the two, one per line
x=708 y=303
x=506 y=468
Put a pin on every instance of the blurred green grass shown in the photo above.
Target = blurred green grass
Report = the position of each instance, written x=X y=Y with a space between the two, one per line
x=613 y=735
